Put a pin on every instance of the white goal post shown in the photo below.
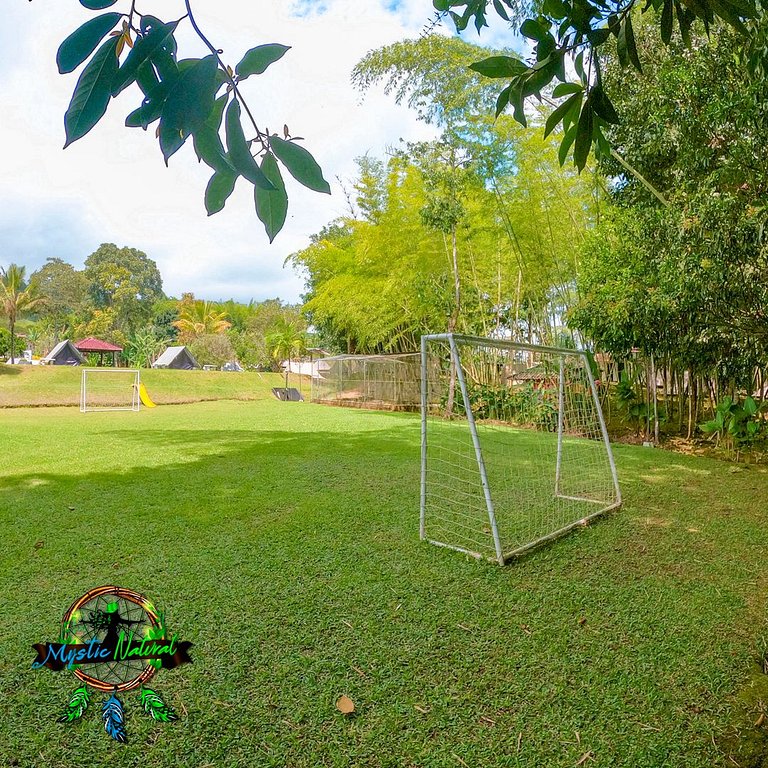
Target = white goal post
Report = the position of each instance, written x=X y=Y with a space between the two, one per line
x=514 y=447
x=109 y=389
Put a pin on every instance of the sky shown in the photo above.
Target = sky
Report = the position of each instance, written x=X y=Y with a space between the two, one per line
x=112 y=185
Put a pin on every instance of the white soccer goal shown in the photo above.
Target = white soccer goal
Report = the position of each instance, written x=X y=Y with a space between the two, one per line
x=514 y=449
x=109 y=389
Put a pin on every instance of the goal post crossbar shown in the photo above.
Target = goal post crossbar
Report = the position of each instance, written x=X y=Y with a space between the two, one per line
x=585 y=407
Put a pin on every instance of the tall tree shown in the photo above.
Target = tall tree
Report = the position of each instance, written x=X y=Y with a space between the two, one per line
x=286 y=341
x=66 y=293
x=124 y=280
x=16 y=297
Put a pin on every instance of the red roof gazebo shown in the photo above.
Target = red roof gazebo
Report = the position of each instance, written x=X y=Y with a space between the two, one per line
x=89 y=345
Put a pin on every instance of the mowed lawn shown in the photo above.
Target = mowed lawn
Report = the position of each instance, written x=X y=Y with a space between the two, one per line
x=282 y=540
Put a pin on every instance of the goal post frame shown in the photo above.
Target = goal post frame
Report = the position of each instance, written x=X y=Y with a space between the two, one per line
x=452 y=339
x=135 y=400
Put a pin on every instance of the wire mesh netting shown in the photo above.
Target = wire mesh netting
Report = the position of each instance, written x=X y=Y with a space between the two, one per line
x=513 y=441
x=109 y=389
x=370 y=381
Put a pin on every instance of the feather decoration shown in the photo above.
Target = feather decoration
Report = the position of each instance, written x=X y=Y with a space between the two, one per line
x=78 y=703
x=155 y=706
x=112 y=714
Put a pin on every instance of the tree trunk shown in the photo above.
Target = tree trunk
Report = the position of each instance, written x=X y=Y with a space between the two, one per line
x=12 y=323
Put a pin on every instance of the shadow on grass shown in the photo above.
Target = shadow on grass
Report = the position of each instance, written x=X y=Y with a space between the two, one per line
x=292 y=561
x=9 y=370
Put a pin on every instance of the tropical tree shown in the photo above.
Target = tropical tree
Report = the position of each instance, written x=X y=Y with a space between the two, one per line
x=286 y=341
x=199 y=318
x=16 y=297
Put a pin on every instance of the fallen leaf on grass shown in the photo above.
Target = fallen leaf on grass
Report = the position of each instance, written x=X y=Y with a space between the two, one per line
x=345 y=705
x=423 y=710
x=760 y=720
x=583 y=759
x=358 y=670
x=525 y=629
x=38 y=544
x=582 y=621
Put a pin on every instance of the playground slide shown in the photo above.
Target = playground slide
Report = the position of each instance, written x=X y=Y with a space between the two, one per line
x=145 y=398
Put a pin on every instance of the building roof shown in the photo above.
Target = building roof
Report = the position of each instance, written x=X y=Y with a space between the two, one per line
x=97 y=345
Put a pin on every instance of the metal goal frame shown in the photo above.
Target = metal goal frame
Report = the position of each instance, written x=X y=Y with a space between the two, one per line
x=132 y=404
x=502 y=556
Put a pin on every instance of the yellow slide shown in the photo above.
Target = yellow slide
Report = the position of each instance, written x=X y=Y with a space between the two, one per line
x=145 y=398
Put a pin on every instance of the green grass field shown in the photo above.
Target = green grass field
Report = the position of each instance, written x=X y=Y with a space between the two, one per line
x=282 y=539
x=26 y=385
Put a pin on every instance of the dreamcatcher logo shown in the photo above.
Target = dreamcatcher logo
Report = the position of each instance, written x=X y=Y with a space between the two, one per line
x=114 y=640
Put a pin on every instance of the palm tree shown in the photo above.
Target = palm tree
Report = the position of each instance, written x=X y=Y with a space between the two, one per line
x=16 y=297
x=284 y=342
x=199 y=318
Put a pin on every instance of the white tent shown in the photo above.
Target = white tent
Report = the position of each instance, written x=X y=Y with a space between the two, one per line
x=176 y=357
x=64 y=353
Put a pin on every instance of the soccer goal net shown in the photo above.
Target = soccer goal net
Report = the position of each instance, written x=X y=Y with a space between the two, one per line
x=109 y=389
x=514 y=447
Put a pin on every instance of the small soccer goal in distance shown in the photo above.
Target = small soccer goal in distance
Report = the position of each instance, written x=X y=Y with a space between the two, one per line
x=109 y=389
x=514 y=449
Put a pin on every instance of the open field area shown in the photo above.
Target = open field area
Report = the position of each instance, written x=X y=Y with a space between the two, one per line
x=26 y=385
x=282 y=538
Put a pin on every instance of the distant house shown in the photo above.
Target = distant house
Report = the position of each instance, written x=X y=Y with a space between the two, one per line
x=176 y=357
x=64 y=353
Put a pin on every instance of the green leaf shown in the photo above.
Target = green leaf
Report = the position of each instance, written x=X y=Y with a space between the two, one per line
x=271 y=204
x=750 y=406
x=666 y=22
x=630 y=43
x=210 y=150
x=556 y=117
x=556 y=9
x=598 y=36
x=143 y=49
x=214 y=118
x=531 y=29
x=239 y=152
x=563 y=89
x=499 y=66
x=92 y=93
x=583 y=136
x=500 y=10
x=172 y=139
x=300 y=164
x=83 y=41
x=97 y=5
x=256 y=61
x=151 y=108
x=220 y=187
x=565 y=145
x=146 y=78
x=602 y=105
x=191 y=98
x=503 y=100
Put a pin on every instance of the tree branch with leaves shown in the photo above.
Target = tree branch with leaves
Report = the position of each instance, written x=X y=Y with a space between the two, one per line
x=192 y=97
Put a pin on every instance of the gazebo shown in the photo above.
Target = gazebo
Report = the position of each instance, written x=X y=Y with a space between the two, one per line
x=99 y=347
